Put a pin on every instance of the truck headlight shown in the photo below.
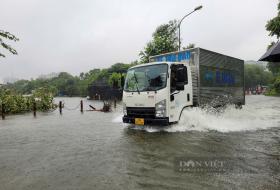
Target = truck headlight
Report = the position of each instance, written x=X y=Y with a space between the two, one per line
x=161 y=109
x=124 y=110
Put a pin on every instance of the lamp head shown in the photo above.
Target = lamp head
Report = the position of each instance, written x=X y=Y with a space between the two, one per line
x=198 y=8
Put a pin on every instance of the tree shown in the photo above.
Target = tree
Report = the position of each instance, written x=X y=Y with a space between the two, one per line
x=118 y=67
x=189 y=46
x=256 y=75
x=9 y=36
x=274 y=68
x=273 y=26
x=82 y=75
x=164 y=40
x=115 y=80
x=276 y=85
x=66 y=84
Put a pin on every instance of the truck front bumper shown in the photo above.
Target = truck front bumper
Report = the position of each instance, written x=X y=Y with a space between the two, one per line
x=148 y=121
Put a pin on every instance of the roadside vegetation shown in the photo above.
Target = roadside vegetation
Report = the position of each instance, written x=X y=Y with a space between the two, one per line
x=14 y=103
x=274 y=89
x=273 y=27
x=257 y=75
x=65 y=84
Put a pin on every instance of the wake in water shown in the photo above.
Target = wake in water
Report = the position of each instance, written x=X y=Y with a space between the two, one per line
x=253 y=116
x=229 y=120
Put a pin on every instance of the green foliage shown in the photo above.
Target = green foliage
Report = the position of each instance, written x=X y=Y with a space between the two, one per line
x=256 y=75
x=164 y=40
x=273 y=25
x=274 y=68
x=8 y=36
x=17 y=103
x=109 y=74
x=67 y=85
x=43 y=98
x=119 y=67
x=115 y=78
x=189 y=46
x=275 y=90
x=271 y=92
x=276 y=84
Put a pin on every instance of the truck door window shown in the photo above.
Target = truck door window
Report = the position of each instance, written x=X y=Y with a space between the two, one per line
x=173 y=80
x=178 y=74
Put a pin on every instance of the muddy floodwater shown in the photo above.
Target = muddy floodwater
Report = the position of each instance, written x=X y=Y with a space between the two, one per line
x=95 y=150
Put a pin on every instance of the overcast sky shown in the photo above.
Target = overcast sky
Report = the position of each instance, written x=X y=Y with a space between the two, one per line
x=79 y=35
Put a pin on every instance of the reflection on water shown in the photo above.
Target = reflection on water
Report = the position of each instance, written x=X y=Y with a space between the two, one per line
x=95 y=150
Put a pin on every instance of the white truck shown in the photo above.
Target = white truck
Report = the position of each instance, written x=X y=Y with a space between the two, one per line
x=156 y=93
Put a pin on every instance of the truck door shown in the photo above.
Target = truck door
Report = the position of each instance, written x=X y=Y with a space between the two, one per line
x=180 y=91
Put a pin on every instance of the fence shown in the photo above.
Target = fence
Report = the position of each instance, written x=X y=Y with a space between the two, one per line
x=62 y=106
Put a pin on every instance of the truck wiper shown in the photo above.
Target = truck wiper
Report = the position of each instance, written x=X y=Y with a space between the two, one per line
x=136 y=83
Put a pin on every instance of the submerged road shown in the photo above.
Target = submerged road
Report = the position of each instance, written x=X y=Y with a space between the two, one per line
x=95 y=150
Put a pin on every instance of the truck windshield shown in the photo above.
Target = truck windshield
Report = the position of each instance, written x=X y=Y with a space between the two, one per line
x=146 y=78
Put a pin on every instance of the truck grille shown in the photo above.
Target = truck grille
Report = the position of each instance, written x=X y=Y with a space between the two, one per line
x=140 y=112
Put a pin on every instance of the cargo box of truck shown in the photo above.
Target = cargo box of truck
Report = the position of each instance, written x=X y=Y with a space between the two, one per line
x=214 y=75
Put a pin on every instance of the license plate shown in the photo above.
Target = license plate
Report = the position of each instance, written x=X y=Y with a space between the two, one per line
x=139 y=121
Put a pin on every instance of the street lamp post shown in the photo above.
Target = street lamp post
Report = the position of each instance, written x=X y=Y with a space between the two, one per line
x=179 y=25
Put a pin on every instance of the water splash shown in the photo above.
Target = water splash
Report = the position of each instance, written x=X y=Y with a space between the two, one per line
x=229 y=120
x=259 y=113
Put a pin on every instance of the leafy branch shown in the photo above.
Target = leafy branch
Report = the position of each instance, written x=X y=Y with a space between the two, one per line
x=9 y=36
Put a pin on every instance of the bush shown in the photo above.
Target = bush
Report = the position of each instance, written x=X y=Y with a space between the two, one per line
x=17 y=103
x=271 y=92
x=276 y=84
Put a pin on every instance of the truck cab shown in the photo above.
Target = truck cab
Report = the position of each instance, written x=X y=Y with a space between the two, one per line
x=156 y=93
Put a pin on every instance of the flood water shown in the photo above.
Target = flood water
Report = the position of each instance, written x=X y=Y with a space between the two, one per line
x=95 y=150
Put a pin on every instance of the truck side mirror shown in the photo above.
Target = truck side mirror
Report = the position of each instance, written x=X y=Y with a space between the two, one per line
x=180 y=74
x=180 y=86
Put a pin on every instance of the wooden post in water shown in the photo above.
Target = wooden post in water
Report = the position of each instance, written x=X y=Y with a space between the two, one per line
x=60 y=107
x=82 y=106
x=34 y=109
x=115 y=103
x=3 y=111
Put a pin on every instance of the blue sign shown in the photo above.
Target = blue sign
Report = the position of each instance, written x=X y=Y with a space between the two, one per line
x=174 y=57
x=224 y=78
x=218 y=77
